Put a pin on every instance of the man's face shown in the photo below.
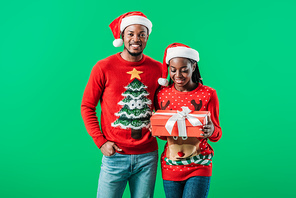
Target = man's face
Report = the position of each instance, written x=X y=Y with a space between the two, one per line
x=135 y=38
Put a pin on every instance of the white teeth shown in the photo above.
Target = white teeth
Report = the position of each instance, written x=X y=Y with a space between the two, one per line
x=135 y=45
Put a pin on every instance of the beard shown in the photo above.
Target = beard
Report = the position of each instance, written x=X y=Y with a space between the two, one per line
x=133 y=54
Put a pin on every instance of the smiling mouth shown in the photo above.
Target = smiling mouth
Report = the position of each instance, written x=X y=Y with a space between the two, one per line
x=135 y=45
x=179 y=81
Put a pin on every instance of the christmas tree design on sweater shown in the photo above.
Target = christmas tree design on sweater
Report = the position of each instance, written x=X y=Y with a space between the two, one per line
x=135 y=112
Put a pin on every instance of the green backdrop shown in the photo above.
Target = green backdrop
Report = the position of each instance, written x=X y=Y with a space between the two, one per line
x=48 y=49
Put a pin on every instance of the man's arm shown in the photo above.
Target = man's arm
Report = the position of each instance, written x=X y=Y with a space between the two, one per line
x=91 y=97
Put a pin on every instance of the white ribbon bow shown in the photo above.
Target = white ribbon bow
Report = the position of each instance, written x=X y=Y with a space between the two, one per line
x=180 y=117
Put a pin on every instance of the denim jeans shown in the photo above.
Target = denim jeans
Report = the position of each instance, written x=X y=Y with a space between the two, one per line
x=194 y=187
x=138 y=170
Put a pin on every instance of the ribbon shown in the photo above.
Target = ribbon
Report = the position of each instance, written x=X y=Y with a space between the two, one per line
x=180 y=117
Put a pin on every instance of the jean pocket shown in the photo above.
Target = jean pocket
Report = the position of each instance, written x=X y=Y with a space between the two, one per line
x=110 y=155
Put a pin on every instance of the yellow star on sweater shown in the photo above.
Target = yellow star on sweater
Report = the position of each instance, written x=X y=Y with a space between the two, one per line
x=135 y=74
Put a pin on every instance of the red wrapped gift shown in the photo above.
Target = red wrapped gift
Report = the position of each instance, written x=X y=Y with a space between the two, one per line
x=176 y=123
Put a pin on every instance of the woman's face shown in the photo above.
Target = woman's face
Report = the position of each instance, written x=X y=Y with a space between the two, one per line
x=181 y=71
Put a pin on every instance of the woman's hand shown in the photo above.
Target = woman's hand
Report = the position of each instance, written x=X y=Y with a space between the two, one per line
x=208 y=129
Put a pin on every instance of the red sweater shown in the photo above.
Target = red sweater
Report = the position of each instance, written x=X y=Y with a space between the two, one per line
x=203 y=98
x=126 y=93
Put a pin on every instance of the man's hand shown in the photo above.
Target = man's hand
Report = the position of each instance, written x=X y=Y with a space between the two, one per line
x=150 y=127
x=109 y=148
x=208 y=129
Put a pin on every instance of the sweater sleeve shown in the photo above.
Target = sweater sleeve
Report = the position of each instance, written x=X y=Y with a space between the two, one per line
x=213 y=107
x=91 y=97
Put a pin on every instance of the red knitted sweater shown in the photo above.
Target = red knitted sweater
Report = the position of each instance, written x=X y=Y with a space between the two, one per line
x=126 y=93
x=203 y=98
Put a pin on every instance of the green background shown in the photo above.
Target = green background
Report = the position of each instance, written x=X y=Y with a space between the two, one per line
x=48 y=48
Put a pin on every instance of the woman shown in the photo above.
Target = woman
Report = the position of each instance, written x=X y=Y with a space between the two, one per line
x=187 y=163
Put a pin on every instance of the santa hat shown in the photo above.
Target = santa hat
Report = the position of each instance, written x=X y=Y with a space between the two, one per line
x=130 y=18
x=172 y=51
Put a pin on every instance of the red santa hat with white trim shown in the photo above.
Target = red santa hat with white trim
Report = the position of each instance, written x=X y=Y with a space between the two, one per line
x=120 y=23
x=172 y=51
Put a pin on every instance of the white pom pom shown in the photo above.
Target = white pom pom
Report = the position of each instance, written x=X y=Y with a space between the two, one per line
x=117 y=42
x=163 y=81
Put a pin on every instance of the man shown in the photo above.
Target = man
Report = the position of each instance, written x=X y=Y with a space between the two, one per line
x=125 y=84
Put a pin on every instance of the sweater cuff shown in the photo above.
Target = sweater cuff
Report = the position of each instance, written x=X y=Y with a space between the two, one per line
x=99 y=141
x=215 y=136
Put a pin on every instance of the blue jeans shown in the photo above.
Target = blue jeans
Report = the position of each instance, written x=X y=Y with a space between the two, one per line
x=138 y=170
x=194 y=187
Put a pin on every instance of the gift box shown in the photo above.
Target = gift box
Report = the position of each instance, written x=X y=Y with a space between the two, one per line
x=184 y=123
